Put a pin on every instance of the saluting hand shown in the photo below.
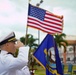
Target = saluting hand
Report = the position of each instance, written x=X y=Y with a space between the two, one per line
x=19 y=44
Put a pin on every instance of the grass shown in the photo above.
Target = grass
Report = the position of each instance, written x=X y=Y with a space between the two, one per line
x=40 y=71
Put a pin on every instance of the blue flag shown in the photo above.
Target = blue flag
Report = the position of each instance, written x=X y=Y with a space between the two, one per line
x=48 y=57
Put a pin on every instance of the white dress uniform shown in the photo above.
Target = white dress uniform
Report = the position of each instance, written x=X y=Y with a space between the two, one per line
x=10 y=65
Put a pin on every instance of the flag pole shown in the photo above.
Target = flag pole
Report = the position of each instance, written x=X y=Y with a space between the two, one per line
x=26 y=36
x=32 y=70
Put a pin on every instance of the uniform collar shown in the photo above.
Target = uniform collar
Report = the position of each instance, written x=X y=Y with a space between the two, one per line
x=3 y=52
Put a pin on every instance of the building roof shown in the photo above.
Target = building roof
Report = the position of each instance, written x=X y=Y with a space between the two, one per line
x=71 y=42
x=71 y=39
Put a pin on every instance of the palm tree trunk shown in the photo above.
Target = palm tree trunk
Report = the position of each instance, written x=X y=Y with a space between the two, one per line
x=64 y=57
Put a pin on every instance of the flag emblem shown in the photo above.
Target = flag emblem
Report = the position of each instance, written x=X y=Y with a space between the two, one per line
x=50 y=57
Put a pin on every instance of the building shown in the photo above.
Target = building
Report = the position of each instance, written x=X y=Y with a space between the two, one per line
x=71 y=49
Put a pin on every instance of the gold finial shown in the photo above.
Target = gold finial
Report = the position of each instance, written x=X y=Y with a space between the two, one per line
x=29 y=1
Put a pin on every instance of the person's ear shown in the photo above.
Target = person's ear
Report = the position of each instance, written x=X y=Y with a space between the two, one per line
x=7 y=44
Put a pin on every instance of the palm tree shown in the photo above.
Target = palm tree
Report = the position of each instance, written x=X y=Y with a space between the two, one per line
x=31 y=42
x=59 y=38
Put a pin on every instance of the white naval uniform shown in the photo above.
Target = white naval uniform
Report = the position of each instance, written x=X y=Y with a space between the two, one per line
x=10 y=65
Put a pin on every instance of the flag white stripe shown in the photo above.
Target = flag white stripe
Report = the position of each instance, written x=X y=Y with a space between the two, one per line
x=34 y=25
x=47 y=24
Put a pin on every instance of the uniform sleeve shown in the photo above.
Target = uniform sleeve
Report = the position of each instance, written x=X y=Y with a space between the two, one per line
x=25 y=70
x=20 y=61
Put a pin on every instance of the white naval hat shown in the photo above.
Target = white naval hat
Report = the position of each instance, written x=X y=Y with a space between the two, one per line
x=7 y=38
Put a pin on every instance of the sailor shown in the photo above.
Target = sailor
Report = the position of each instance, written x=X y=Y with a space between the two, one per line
x=10 y=65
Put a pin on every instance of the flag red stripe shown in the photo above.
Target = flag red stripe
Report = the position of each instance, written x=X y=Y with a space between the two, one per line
x=49 y=28
x=50 y=32
x=51 y=22
x=53 y=15
x=46 y=23
x=50 y=18
x=42 y=27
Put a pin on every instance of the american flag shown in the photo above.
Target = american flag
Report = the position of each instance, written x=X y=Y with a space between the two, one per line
x=44 y=20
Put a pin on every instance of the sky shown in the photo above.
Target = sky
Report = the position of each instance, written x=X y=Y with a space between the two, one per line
x=13 y=16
